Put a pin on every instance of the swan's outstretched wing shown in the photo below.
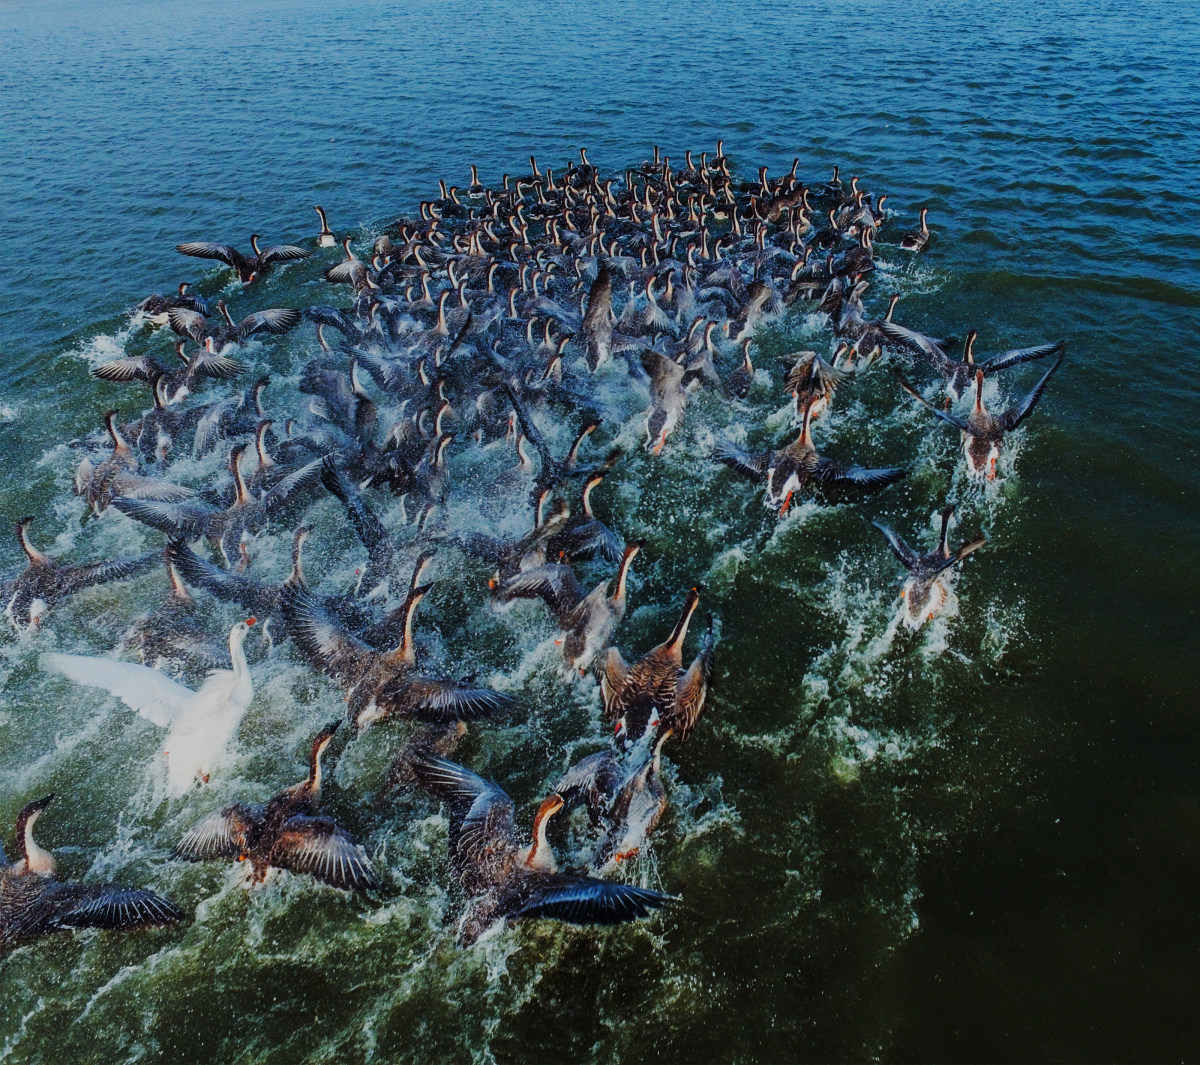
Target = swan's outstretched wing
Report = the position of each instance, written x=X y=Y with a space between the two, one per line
x=155 y=696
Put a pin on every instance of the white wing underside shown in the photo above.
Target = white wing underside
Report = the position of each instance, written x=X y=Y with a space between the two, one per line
x=152 y=694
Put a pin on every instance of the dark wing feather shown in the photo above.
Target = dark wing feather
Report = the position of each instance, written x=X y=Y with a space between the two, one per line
x=691 y=690
x=142 y=368
x=181 y=520
x=217 y=366
x=593 y=780
x=587 y=900
x=909 y=559
x=322 y=849
x=325 y=644
x=1021 y=410
x=230 y=587
x=369 y=529
x=829 y=472
x=441 y=702
x=189 y=324
x=73 y=578
x=946 y=416
x=113 y=906
x=961 y=553
x=277 y=320
x=203 y=249
x=221 y=834
x=1019 y=355
x=554 y=583
x=283 y=253
x=914 y=341
x=753 y=467
x=299 y=479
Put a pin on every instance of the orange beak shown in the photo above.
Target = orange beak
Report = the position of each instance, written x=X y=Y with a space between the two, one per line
x=251 y=621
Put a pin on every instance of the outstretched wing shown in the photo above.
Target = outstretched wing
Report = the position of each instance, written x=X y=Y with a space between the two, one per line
x=277 y=320
x=909 y=559
x=230 y=587
x=189 y=324
x=180 y=520
x=221 y=834
x=1019 y=355
x=110 y=906
x=691 y=690
x=588 y=900
x=74 y=578
x=319 y=847
x=203 y=249
x=325 y=644
x=283 y=253
x=141 y=368
x=553 y=583
x=829 y=472
x=155 y=696
x=1021 y=410
x=914 y=341
x=753 y=467
x=441 y=702
x=946 y=416
x=613 y=678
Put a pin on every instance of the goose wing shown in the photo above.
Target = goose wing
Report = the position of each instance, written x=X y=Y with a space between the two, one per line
x=324 y=643
x=217 y=366
x=482 y=833
x=753 y=467
x=296 y=481
x=369 y=529
x=1021 y=410
x=614 y=676
x=229 y=587
x=909 y=559
x=134 y=487
x=691 y=690
x=961 y=553
x=827 y=471
x=222 y=834
x=554 y=583
x=586 y=541
x=277 y=320
x=946 y=416
x=442 y=702
x=585 y=899
x=283 y=253
x=185 y=521
x=155 y=696
x=593 y=780
x=188 y=323
x=321 y=848
x=1019 y=355
x=141 y=368
x=74 y=578
x=911 y=340
x=203 y=249
x=113 y=906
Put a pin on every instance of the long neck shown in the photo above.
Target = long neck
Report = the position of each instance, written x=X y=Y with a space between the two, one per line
x=313 y=783
x=235 y=466
x=35 y=859
x=36 y=558
x=118 y=441
x=541 y=857
x=260 y=443
x=945 y=529
x=587 y=496
x=178 y=588
x=406 y=651
x=675 y=644
x=618 y=597
x=979 y=408
x=237 y=654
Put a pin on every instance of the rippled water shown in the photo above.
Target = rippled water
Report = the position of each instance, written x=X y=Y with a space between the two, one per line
x=976 y=842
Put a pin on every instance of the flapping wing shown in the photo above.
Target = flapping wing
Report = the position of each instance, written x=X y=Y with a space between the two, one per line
x=141 y=368
x=134 y=487
x=614 y=676
x=911 y=340
x=203 y=249
x=221 y=834
x=588 y=900
x=155 y=696
x=829 y=472
x=968 y=548
x=442 y=702
x=227 y=586
x=1019 y=355
x=110 y=906
x=946 y=416
x=296 y=481
x=907 y=556
x=185 y=521
x=691 y=690
x=74 y=578
x=752 y=467
x=324 y=643
x=593 y=780
x=189 y=323
x=283 y=253
x=217 y=366
x=369 y=529
x=1021 y=410
x=591 y=539
x=554 y=583
x=277 y=320
x=319 y=847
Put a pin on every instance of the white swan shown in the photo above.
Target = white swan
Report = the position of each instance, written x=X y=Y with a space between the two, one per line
x=200 y=723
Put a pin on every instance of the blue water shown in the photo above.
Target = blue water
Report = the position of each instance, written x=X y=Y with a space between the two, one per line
x=977 y=844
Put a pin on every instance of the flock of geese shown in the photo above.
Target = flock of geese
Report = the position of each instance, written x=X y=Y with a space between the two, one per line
x=483 y=322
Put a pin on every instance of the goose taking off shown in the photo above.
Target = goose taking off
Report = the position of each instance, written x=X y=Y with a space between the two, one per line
x=248 y=267
x=284 y=833
x=200 y=724
x=505 y=878
x=35 y=902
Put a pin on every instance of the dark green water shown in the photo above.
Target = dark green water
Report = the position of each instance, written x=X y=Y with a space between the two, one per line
x=976 y=843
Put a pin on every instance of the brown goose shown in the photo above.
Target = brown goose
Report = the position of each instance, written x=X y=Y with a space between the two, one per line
x=506 y=878
x=983 y=432
x=657 y=687
x=35 y=902
x=786 y=471
x=917 y=240
x=44 y=583
x=380 y=684
x=285 y=833
x=248 y=267
x=636 y=810
x=925 y=591
x=156 y=307
x=584 y=536
x=193 y=324
x=118 y=475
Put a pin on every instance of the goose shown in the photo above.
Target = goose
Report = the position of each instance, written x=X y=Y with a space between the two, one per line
x=812 y=382
x=176 y=384
x=35 y=901
x=156 y=307
x=738 y=383
x=926 y=588
x=45 y=582
x=785 y=472
x=960 y=373
x=635 y=811
x=983 y=432
x=248 y=267
x=200 y=723
x=657 y=687
x=381 y=684
x=193 y=324
x=285 y=833
x=118 y=475
x=506 y=879
x=584 y=536
x=325 y=239
x=919 y=238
